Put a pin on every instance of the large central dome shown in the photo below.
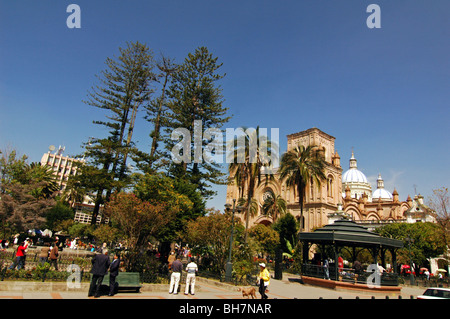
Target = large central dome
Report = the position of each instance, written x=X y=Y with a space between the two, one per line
x=356 y=181
x=353 y=175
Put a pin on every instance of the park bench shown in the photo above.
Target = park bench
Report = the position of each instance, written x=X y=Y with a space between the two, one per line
x=125 y=281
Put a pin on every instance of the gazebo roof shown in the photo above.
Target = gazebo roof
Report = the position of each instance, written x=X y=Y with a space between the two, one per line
x=348 y=233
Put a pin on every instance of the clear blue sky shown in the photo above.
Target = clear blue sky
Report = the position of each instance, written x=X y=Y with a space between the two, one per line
x=290 y=65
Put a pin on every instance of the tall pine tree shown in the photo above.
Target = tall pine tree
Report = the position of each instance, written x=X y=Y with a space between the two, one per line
x=156 y=111
x=125 y=85
x=195 y=95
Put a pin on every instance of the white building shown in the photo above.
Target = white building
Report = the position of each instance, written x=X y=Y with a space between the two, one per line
x=63 y=166
x=356 y=181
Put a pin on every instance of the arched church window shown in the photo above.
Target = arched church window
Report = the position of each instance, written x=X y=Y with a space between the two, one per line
x=330 y=186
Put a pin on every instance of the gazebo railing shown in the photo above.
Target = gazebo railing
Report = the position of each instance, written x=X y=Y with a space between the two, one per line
x=349 y=275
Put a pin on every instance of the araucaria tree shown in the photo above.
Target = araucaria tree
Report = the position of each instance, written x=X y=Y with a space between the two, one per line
x=124 y=86
x=196 y=103
x=156 y=114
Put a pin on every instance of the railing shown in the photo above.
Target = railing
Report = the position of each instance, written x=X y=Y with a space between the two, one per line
x=35 y=270
x=348 y=275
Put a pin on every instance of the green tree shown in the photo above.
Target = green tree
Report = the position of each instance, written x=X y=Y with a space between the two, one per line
x=287 y=227
x=195 y=97
x=156 y=114
x=210 y=237
x=44 y=179
x=125 y=85
x=440 y=203
x=249 y=158
x=61 y=211
x=426 y=240
x=105 y=234
x=11 y=168
x=178 y=195
x=300 y=166
x=266 y=237
x=27 y=192
x=274 y=205
x=137 y=220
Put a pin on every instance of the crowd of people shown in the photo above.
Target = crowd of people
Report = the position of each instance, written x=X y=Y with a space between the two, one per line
x=101 y=264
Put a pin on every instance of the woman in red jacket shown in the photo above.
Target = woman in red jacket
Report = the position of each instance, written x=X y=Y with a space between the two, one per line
x=20 y=257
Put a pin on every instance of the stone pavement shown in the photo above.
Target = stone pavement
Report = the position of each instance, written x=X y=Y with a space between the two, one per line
x=290 y=287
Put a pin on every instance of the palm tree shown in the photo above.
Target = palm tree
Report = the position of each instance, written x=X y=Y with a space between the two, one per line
x=248 y=163
x=252 y=211
x=300 y=166
x=43 y=179
x=274 y=205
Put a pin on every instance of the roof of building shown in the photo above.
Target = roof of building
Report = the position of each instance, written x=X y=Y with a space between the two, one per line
x=381 y=193
x=353 y=175
x=347 y=232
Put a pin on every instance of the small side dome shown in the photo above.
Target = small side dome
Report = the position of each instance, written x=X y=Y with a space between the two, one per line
x=380 y=192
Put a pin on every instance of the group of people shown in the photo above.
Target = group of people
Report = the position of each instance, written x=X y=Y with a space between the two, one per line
x=176 y=266
x=4 y=244
x=48 y=253
x=101 y=264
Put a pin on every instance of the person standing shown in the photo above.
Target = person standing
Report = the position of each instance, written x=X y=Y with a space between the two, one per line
x=113 y=273
x=264 y=280
x=53 y=258
x=177 y=268
x=43 y=255
x=171 y=259
x=19 y=261
x=427 y=274
x=191 y=269
x=100 y=265
x=16 y=240
x=326 y=268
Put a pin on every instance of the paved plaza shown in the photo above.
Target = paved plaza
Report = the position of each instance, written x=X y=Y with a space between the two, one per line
x=289 y=287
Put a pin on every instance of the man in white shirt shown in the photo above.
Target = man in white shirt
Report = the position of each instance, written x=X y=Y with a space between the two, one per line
x=191 y=269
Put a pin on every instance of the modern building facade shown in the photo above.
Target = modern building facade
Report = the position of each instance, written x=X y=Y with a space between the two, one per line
x=64 y=167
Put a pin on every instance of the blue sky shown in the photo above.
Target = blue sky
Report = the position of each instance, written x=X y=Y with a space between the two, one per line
x=290 y=65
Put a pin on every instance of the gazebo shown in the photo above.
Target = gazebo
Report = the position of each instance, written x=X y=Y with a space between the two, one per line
x=346 y=234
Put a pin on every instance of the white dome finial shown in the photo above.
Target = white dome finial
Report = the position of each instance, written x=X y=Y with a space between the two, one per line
x=353 y=160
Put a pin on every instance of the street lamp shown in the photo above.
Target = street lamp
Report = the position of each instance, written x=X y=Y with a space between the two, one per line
x=411 y=275
x=229 y=265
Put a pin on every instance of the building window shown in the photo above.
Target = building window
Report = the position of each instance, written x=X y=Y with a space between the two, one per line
x=330 y=186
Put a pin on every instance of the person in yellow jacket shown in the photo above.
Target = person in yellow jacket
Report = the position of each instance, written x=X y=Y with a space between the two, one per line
x=264 y=280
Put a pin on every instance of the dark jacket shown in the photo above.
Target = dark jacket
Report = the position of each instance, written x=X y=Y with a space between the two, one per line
x=100 y=265
x=114 y=267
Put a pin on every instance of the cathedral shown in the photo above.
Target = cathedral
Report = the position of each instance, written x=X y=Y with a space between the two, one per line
x=341 y=195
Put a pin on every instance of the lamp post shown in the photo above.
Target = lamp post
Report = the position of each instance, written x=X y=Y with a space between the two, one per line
x=411 y=275
x=229 y=265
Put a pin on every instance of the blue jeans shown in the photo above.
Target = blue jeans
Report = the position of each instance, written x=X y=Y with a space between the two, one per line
x=19 y=262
